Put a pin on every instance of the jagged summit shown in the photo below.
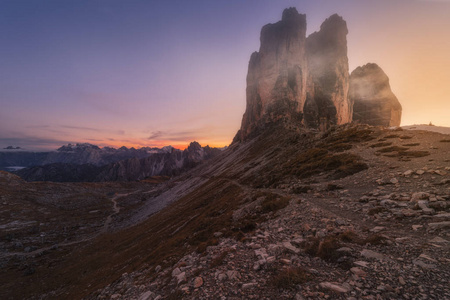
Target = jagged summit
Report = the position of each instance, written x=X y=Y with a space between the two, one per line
x=299 y=79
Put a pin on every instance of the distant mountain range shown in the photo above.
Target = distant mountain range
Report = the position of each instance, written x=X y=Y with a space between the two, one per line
x=79 y=154
x=87 y=162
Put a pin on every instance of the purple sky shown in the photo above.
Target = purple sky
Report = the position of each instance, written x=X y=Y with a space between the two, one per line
x=153 y=73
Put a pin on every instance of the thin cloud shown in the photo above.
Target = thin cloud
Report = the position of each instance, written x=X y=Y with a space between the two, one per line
x=177 y=135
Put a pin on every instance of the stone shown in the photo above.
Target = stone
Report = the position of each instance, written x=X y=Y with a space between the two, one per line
x=374 y=103
x=401 y=280
x=440 y=172
x=363 y=264
x=358 y=271
x=233 y=275
x=423 y=264
x=408 y=173
x=247 y=286
x=333 y=287
x=439 y=240
x=416 y=227
x=394 y=180
x=198 y=282
x=176 y=272
x=372 y=254
x=377 y=229
x=419 y=196
x=288 y=246
x=222 y=276
x=420 y=172
x=146 y=296
x=439 y=225
x=181 y=278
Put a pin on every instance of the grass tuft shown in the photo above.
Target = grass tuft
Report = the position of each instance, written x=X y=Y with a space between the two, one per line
x=288 y=278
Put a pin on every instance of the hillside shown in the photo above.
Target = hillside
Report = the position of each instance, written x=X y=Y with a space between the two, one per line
x=357 y=211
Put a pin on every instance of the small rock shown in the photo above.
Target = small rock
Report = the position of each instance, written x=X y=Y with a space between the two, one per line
x=334 y=287
x=361 y=263
x=415 y=227
x=358 y=271
x=146 y=296
x=422 y=264
x=198 y=282
x=420 y=172
x=439 y=225
x=438 y=240
x=408 y=173
x=288 y=246
x=233 y=275
x=377 y=229
x=401 y=280
x=181 y=278
x=247 y=286
x=176 y=272
x=372 y=254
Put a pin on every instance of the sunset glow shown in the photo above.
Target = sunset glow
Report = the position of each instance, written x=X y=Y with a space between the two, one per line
x=157 y=73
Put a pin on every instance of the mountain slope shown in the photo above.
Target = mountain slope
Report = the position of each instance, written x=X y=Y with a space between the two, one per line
x=242 y=194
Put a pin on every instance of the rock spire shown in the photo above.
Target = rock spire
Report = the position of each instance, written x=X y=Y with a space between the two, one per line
x=372 y=98
x=301 y=79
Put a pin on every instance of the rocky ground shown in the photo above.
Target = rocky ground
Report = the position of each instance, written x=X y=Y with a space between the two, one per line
x=237 y=231
x=379 y=234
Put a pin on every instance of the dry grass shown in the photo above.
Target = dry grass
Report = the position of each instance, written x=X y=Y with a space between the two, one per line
x=218 y=260
x=376 y=210
x=273 y=203
x=317 y=160
x=290 y=277
x=392 y=149
x=324 y=248
x=381 y=144
x=392 y=136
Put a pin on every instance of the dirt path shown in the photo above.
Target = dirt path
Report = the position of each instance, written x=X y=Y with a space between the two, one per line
x=116 y=210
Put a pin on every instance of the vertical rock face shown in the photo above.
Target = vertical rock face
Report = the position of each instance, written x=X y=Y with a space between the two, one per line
x=374 y=102
x=327 y=100
x=276 y=79
x=306 y=80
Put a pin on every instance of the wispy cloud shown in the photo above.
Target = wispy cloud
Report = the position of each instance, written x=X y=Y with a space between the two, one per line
x=178 y=135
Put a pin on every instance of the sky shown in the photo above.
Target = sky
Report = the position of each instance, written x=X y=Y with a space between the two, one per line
x=156 y=73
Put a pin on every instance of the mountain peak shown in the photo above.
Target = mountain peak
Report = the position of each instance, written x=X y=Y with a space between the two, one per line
x=303 y=81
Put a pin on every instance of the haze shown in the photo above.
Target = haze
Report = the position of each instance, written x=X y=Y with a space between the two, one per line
x=154 y=73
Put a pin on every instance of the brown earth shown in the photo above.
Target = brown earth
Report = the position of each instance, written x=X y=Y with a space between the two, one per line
x=291 y=214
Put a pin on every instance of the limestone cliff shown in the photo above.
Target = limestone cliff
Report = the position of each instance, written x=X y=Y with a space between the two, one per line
x=327 y=100
x=276 y=79
x=306 y=80
x=374 y=102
